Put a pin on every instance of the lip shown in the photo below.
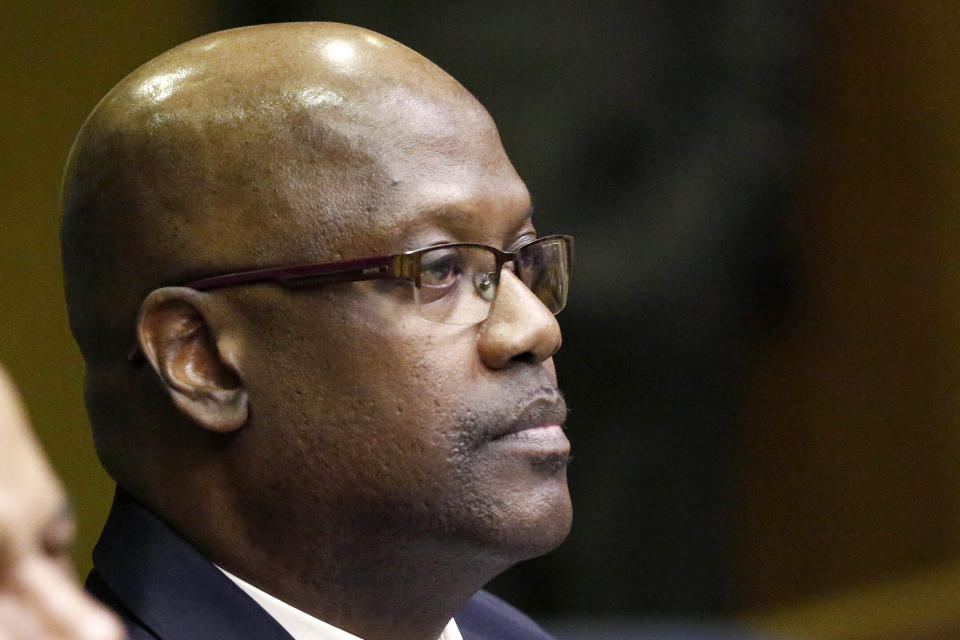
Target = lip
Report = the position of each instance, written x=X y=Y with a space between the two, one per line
x=543 y=435
x=545 y=447
x=539 y=421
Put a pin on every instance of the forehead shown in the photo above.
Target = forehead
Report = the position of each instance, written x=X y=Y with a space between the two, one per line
x=304 y=164
x=439 y=173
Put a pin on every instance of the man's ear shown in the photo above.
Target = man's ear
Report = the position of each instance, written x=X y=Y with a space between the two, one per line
x=177 y=342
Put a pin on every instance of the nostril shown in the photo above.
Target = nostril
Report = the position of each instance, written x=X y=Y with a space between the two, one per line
x=525 y=357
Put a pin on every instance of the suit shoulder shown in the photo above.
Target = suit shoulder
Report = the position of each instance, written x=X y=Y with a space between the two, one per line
x=99 y=589
x=487 y=617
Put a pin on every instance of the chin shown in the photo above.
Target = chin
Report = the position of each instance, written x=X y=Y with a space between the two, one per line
x=537 y=523
x=549 y=533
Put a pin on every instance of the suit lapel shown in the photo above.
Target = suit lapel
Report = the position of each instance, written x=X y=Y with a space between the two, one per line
x=168 y=586
x=159 y=582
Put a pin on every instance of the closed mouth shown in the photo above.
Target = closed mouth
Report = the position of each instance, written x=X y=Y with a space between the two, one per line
x=544 y=412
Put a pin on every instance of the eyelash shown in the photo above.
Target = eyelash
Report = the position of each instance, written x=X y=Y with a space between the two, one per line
x=522 y=240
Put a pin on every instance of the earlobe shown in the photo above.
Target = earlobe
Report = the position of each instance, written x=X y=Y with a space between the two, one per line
x=176 y=340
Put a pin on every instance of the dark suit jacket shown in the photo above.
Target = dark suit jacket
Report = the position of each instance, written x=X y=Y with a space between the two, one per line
x=163 y=588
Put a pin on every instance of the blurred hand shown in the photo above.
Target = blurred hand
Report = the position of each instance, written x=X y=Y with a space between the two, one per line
x=40 y=598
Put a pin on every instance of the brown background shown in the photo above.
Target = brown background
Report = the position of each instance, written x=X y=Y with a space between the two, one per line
x=846 y=500
x=57 y=59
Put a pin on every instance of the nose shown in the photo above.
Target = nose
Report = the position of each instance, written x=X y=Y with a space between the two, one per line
x=519 y=326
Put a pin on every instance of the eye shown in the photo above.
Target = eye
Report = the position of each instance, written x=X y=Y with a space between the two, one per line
x=529 y=259
x=440 y=268
x=57 y=536
x=524 y=257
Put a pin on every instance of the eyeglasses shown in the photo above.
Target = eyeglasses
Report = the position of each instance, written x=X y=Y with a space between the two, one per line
x=453 y=283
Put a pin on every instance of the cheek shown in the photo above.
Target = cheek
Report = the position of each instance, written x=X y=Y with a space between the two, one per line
x=382 y=351
x=378 y=387
x=406 y=383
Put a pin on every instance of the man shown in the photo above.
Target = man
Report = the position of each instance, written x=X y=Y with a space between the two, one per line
x=39 y=596
x=311 y=398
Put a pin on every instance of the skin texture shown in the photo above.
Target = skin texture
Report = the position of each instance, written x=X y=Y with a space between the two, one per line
x=39 y=596
x=329 y=446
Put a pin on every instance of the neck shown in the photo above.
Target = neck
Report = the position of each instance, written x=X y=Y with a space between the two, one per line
x=363 y=578
x=373 y=587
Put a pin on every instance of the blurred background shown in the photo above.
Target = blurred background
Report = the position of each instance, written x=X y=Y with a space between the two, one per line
x=762 y=351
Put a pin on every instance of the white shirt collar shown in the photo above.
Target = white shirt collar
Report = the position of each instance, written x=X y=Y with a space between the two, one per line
x=303 y=626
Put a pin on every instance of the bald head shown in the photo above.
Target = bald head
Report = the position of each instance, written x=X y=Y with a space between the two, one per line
x=244 y=148
x=254 y=147
x=308 y=439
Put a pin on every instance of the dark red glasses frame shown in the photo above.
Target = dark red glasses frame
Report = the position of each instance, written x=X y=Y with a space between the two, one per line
x=398 y=265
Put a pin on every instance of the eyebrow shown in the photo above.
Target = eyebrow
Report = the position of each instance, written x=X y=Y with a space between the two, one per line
x=453 y=217
x=527 y=214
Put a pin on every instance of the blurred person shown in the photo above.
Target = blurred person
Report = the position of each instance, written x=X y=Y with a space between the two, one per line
x=39 y=596
x=318 y=326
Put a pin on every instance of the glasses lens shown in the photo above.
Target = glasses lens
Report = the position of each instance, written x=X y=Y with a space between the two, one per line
x=457 y=284
x=544 y=266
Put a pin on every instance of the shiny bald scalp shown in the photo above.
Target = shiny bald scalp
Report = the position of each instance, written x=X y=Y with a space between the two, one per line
x=307 y=440
x=246 y=148
x=190 y=164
